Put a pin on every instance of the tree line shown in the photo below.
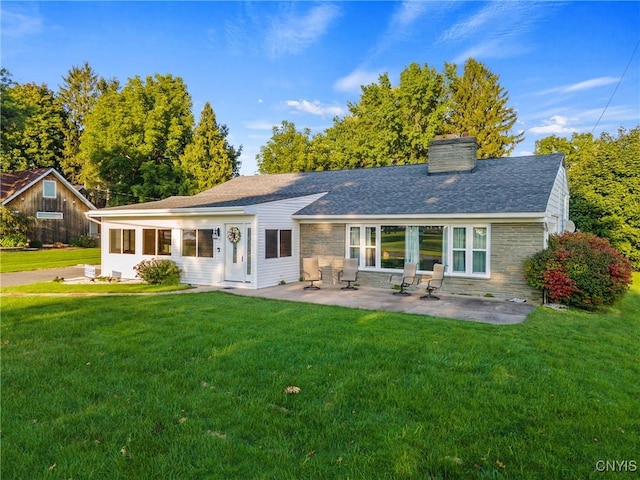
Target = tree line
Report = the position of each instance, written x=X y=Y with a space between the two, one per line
x=124 y=144
x=393 y=124
x=138 y=142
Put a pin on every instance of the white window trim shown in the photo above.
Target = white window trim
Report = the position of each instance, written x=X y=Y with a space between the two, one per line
x=469 y=249
x=44 y=189
x=447 y=244
x=50 y=215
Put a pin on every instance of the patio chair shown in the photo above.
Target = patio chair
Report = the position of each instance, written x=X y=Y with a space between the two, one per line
x=311 y=272
x=408 y=278
x=349 y=273
x=435 y=282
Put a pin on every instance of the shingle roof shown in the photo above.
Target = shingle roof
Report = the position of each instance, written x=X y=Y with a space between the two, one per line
x=503 y=185
x=12 y=182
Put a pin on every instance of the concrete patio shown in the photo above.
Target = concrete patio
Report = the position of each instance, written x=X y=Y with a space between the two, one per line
x=460 y=307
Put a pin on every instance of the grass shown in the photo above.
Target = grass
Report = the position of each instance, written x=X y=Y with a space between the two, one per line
x=90 y=288
x=192 y=386
x=24 y=260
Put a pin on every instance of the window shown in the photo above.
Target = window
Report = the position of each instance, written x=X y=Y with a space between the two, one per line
x=197 y=243
x=278 y=243
x=362 y=245
x=156 y=241
x=49 y=215
x=469 y=250
x=48 y=189
x=463 y=249
x=122 y=241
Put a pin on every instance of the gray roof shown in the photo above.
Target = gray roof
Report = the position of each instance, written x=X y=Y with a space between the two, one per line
x=502 y=185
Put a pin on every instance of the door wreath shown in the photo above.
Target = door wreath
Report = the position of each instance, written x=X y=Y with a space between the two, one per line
x=233 y=235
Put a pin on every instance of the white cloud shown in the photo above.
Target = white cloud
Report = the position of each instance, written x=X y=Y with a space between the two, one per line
x=315 y=108
x=21 y=24
x=581 y=86
x=497 y=30
x=291 y=33
x=259 y=125
x=408 y=13
x=557 y=124
x=357 y=78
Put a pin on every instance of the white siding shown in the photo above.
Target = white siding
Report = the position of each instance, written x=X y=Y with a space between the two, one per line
x=211 y=271
x=277 y=215
x=557 y=207
x=195 y=270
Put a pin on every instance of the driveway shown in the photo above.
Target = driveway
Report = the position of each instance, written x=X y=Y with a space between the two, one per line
x=35 y=276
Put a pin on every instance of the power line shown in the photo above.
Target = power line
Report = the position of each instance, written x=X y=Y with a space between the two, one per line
x=617 y=85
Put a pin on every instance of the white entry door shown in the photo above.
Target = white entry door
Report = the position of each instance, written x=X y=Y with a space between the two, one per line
x=235 y=257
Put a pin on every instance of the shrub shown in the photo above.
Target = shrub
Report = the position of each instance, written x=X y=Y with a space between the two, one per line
x=35 y=244
x=84 y=241
x=158 y=272
x=580 y=269
x=15 y=239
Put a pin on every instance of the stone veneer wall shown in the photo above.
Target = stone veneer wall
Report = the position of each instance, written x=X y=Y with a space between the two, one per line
x=511 y=243
x=325 y=241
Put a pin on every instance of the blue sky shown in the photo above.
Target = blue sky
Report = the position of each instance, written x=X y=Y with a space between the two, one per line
x=259 y=63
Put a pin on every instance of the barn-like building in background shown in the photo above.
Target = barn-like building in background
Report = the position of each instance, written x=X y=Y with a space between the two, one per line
x=56 y=205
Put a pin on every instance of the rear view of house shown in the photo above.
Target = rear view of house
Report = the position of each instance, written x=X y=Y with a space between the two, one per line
x=58 y=208
x=480 y=218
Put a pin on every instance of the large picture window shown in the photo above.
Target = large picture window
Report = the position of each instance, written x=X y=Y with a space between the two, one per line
x=278 y=243
x=462 y=249
x=197 y=242
x=156 y=241
x=122 y=240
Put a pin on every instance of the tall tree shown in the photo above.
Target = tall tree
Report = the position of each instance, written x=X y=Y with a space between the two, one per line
x=479 y=107
x=287 y=151
x=34 y=135
x=604 y=181
x=134 y=138
x=209 y=159
x=78 y=95
x=12 y=118
x=390 y=124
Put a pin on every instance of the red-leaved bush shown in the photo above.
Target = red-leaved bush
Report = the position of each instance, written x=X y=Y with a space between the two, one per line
x=580 y=269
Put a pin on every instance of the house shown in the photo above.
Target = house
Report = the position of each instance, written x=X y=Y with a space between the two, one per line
x=481 y=218
x=58 y=208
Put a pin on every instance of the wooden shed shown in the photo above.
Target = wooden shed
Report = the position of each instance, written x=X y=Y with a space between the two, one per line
x=57 y=206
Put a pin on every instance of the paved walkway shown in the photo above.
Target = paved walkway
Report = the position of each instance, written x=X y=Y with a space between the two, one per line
x=461 y=307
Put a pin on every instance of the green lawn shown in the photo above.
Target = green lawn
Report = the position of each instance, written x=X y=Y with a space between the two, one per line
x=18 y=261
x=192 y=387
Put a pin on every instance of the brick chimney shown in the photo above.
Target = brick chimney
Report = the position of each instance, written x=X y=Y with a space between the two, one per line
x=452 y=153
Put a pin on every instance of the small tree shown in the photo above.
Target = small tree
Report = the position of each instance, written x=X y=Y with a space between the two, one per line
x=580 y=269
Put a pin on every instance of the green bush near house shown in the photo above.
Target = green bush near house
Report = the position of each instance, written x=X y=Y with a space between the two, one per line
x=580 y=269
x=158 y=272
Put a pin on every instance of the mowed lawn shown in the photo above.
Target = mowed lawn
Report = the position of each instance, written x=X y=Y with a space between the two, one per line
x=19 y=261
x=192 y=386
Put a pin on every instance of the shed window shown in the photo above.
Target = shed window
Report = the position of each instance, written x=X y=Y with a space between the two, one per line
x=48 y=189
x=50 y=215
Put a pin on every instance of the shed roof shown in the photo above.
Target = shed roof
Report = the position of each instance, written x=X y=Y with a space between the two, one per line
x=502 y=185
x=12 y=184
